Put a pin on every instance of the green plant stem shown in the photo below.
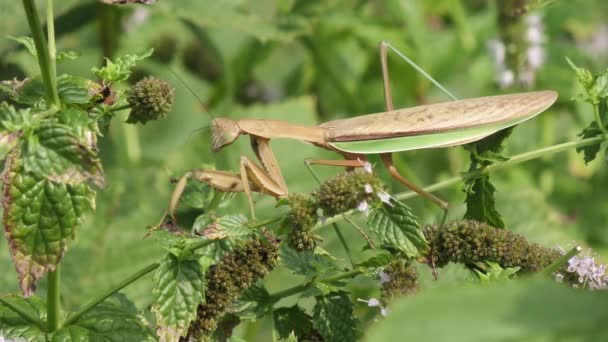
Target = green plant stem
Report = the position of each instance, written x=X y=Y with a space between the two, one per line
x=76 y=315
x=119 y=108
x=274 y=298
x=598 y=120
x=53 y=297
x=557 y=264
x=137 y=275
x=24 y=314
x=50 y=33
x=42 y=50
x=517 y=159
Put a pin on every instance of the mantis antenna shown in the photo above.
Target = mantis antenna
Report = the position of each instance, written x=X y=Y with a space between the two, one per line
x=420 y=70
x=181 y=80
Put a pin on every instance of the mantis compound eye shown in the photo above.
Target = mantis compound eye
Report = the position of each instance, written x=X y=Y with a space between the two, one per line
x=225 y=132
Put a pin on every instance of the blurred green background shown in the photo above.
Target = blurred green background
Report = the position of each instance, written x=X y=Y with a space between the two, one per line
x=309 y=62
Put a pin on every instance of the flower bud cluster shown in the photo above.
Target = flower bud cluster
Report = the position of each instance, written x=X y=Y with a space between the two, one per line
x=150 y=99
x=401 y=280
x=302 y=217
x=470 y=242
x=236 y=271
x=347 y=191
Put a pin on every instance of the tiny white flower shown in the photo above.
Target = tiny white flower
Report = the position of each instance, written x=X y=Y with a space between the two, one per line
x=363 y=207
x=498 y=51
x=559 y=277
x=368 y=189
x=384 y=197
x=536 y=56
x=367 y=167
x=384 y=277
x=384 y=312
x=373 y=302
x=505 y=78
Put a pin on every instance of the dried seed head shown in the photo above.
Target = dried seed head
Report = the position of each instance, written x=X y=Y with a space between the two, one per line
x=401 y=280
x=150 y=99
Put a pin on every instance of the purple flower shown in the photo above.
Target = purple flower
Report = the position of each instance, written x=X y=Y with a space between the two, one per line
x=384 y=277
x=589 y=273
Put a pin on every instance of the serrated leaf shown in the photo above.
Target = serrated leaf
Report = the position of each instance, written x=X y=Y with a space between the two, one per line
x=120 y=69
x=178 y=292
x=40 y=216
x=378 y=260
x=10 y=123
x=73 y=89
x=397 y=227
x=256 y=293
x=292 y=321
x=590 y=152
x=63 y=157
x=29 y=92
x=13 y=325
x=27 y=42
x=114 y=320
x=333 y=318
x=481 y=205
x=305 y=263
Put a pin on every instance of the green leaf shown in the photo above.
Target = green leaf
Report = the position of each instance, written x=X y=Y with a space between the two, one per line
x=292 y=320
x=291 y=338
x=40 y=216
x=67 y=55
x=397 y=227
x=333 y=318
x=29 y=92
x=178 y=292
x=305 y=263
x=481 y=205
x=120 y=69
x=114 y=320
x=73 y=89
x=63 y=157
x=590 y=152
x=13 y=325
x=10 y=124
x=507 y=311
x=494 y=272
x=378 y=260
x=27 y=42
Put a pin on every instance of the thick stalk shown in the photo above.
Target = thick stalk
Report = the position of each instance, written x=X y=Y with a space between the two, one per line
x=557 y=264
x=44 y=60
x=50 y=33
x=53 y=297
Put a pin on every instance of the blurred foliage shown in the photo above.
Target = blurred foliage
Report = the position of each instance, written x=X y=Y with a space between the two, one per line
x=309 y=62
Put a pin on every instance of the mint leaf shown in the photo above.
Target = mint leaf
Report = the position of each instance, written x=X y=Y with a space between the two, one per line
x=305 y=263
x=114 y=320
x=590 y=152
x=40 y=216
x=14 y=326
x=333 y=318
x=178 y=292
x=10 y=124
x=292 y=320
x=27 y=42
x=378 y=260
x=481 y=205
x=397 y=228
x=120 y=69
x=73 y=90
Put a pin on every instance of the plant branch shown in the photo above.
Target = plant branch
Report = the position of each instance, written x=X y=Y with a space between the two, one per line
x=53 y=298
x=557 y=264
x=50 y=33
x=517 y=159
x=42 y=50
x=76 y=315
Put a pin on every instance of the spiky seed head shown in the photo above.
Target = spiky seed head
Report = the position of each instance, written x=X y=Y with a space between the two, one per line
x=150 y=99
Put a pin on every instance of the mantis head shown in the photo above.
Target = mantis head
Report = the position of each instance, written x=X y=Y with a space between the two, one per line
x=225 y=132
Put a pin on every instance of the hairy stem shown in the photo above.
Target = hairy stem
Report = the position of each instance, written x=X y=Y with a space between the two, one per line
x=53 y=297
x=598 y=119
x=44 y=61
x=517 y=159
x=557 y=264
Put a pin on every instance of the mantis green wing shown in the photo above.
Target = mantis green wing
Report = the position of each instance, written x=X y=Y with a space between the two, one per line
x=437 y=125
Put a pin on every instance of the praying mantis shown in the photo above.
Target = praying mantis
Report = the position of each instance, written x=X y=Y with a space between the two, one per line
x=437 y=125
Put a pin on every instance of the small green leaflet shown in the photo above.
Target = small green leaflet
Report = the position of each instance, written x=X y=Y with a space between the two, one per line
x=292 y=320
x=120 y=69
x=397 y=228
x=305 y=263
x=378 y=260
x=333 y=318
x=178 y=291
x=27 y=42
x=481 y=205
x=13 y=325
x=494 y=272
x=10 y=122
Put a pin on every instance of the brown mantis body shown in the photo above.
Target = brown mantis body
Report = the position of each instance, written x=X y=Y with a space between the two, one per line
x=438 y=125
